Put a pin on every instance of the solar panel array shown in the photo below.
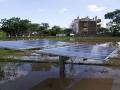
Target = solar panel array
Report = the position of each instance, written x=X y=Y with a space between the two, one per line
x=28 y=44
x=82 y=51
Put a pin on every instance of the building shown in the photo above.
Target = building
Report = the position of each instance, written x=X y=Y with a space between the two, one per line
x=85 y=25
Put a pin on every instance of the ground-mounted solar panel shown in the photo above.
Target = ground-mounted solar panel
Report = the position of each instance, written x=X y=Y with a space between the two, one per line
x=96 y=52
x=29 y=44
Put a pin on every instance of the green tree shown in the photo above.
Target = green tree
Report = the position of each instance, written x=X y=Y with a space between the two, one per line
x=43 y=28
x=15 y=26
x=24 y=26
x=102 y=31
x=55 y=30
x=67 y=31
x=115 y=20
x=33 y=28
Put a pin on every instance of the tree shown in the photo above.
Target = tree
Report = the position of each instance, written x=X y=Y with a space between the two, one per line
x=2 y=34
x=67 y=31
x=45 y=26
x=33 y=28
x=24 y=26
x=102 y=31
x=15 y=26
x=55 y=30
x=115 y=19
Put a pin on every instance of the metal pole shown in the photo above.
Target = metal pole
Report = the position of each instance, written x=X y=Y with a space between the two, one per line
x=62 y=66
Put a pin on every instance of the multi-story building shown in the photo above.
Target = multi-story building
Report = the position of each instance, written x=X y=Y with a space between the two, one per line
x=85 y=25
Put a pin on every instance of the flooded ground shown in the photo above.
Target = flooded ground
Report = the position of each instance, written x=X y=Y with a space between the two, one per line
x=92 y=53
x=37 y=76
x=49 y=76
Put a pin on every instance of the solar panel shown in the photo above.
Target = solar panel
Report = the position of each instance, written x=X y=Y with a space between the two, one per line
x=82 y=51
x=29 y=44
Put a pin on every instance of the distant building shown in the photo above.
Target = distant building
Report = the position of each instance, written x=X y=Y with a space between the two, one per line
x=85 y=25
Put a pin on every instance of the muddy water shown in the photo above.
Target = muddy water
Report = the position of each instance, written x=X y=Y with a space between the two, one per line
x=47 y=76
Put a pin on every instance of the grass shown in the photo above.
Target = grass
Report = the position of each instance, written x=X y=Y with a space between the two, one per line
x=7 y=52
x=70 y=39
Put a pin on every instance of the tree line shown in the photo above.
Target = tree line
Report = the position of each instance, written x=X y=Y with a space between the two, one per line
x=113 y=26
x=17 y=27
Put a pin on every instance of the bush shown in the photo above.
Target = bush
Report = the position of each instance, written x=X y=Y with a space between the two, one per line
x=2 y=34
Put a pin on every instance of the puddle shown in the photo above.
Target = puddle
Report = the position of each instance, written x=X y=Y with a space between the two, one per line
x=36 y=76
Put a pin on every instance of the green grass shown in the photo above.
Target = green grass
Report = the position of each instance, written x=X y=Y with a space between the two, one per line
x=82 y=39
x=69 y=39
x=7 y=52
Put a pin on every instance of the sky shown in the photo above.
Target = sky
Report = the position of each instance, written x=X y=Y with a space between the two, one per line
x=56 y=12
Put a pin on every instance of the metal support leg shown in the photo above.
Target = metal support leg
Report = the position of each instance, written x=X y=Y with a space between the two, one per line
x=62 y=66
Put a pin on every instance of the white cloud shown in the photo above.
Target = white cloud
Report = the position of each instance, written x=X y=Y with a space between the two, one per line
x=41 y=10
x=95 y=8
x=63 y=10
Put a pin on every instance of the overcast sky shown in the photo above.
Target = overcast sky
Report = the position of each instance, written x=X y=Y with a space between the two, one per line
x=56 y=12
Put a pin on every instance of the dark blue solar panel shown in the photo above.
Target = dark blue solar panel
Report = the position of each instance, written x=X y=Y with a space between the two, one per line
x=82 y=51
x=27 y=44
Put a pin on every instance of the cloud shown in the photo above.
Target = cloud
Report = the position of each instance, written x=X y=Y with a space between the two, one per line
x=41 y=10
x=63 y=10
x=95 y=8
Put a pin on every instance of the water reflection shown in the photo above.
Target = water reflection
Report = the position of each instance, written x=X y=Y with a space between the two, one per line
x=11 y=71
x=47 y=76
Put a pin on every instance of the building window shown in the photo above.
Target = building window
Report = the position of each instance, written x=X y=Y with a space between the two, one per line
x=85 y=24
x=85 y=29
